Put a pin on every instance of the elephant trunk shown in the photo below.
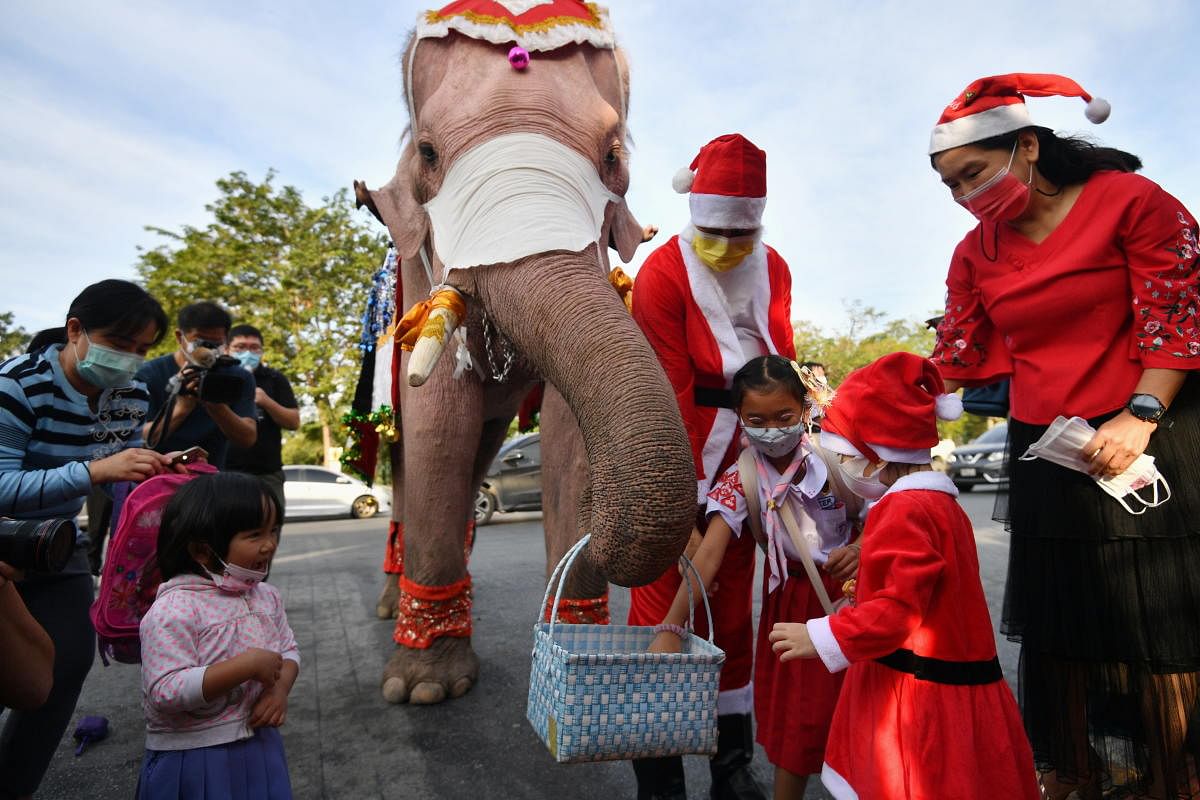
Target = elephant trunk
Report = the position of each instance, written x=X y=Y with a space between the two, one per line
x=560 y=312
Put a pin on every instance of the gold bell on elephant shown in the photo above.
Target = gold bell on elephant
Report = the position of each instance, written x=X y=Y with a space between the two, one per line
x=426 y=328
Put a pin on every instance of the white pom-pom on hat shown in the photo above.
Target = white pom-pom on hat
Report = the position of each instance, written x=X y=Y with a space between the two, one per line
x=682 y=180
x=948 y=406
x=1097 y=110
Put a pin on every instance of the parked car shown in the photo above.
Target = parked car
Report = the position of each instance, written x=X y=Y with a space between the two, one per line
x=318 y=492
x=941 y=453
x=514 y=481
x=983 y=461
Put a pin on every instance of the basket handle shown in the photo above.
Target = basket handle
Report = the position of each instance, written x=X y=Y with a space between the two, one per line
x=558 y=579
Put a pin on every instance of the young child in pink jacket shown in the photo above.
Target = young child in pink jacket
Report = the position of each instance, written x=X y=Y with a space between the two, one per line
x=218 y=657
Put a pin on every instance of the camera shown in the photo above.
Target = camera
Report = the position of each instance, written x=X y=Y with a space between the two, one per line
x=208 y=378
x=44 y=545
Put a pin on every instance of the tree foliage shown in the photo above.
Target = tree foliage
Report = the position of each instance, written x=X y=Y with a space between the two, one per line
x=867 y=335
x=299 y=273
x=12 y=339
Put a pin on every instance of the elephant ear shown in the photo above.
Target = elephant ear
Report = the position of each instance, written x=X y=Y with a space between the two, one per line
x=396 y=207
x=624 y=232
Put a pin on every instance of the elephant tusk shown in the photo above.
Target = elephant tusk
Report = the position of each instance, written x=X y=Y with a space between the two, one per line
x=426 y=329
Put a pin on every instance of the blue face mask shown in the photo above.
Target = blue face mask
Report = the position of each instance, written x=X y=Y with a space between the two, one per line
x=250 y=360
x=106 y=367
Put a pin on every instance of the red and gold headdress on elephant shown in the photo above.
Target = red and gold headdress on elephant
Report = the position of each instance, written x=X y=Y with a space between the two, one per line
x=536 y=25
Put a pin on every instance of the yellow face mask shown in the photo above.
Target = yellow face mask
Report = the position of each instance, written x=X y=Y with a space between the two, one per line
x=722 y=253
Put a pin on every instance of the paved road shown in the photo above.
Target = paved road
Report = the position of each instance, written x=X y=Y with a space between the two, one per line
x=343 y=741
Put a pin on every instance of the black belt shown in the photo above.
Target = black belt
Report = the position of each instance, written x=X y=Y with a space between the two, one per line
x=935 y=670
x=713 y=398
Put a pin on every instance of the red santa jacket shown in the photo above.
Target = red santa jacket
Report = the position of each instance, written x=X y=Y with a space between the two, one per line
x=684 y=315
x=918 y=583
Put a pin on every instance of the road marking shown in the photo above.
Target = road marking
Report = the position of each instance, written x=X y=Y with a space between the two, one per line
x=315 y=553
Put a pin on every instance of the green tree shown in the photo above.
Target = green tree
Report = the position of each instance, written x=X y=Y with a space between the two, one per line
x=12 y=339
x=867 y=335
x=299 y=273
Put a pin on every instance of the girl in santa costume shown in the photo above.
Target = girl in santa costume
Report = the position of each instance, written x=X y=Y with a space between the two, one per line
x=794 y=702
x=1080 y=284
x=709 y=300
x=924 y=713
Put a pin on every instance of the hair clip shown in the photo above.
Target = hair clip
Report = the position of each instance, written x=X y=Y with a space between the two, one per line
x=819 y=391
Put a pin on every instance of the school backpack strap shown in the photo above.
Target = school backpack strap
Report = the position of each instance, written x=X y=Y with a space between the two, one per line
x=814 y=577
x=748 y=475
x=837 y=484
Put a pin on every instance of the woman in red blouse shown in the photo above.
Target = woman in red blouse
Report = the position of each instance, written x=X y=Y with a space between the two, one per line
x=1080 y=284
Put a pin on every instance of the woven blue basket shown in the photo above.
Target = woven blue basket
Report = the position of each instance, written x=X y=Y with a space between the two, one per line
x=597 y=694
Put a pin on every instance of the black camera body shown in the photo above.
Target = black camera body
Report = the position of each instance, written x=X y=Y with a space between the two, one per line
x=43 y=545
x=213 y=383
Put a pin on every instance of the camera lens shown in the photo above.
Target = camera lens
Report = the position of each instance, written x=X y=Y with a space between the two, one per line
x=44 y=545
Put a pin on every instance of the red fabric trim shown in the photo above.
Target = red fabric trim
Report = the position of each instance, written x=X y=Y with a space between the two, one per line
x=393 y=558
x=581 y=610
x=428 y=613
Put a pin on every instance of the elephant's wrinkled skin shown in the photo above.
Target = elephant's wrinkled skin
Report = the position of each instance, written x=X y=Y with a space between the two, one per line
x=612 y=412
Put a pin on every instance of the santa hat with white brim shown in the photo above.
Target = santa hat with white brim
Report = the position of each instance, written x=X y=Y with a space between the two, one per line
x=727 y=182
x=888 y=410
x=995 y=105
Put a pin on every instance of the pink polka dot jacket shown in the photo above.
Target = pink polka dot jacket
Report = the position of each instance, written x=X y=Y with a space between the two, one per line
x=191 y=625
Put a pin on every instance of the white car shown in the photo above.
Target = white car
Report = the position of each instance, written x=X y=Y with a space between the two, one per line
x=318 y=492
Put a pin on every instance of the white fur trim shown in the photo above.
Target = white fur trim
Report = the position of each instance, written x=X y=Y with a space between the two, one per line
x=722 y=211
x=827 y=645
x=931 y=480
x=713 y=305
x=541 y=40
x=901 y=455
x=948 y=406
x=838 y=444
x=682 y=180
x=838 y=786
x=736 y=701
x=1097 y=110
x=976 y=127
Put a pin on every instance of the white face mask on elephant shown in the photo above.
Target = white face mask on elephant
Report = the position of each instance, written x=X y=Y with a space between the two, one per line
x=514 y=196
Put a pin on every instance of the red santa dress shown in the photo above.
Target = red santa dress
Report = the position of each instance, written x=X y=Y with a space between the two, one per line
x=924 y=713
x=699 y=338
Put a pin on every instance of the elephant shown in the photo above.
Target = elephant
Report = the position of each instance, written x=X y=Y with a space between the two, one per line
x=617 y=463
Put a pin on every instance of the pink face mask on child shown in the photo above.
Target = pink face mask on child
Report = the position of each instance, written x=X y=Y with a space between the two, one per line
x=233 y=578
x=1001 y=197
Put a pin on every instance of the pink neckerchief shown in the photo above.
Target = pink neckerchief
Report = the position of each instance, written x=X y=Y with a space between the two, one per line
x=770 y=496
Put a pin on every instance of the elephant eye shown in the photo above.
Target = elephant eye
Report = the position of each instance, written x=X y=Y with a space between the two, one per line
x=612 y=155
x=428 y=153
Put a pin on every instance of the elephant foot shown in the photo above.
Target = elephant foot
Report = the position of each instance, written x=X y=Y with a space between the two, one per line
x=385 y=606
x=447 y=669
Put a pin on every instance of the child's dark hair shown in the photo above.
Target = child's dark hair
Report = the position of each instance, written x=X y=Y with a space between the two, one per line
x=764 y=374
x=210 y=510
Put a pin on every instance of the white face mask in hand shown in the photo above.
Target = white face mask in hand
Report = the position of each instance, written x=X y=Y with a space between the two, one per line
x=1063 y=444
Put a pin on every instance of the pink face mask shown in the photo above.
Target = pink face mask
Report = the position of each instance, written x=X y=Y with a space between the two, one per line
x=233 y=578
x=1001 y=197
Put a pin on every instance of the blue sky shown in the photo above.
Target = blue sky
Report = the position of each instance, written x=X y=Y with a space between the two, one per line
x=119 y=115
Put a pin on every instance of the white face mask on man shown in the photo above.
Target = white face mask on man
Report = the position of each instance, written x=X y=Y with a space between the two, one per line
x=1063 y=444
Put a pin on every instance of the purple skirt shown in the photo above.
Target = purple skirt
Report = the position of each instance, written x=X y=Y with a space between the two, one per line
x=250 y=769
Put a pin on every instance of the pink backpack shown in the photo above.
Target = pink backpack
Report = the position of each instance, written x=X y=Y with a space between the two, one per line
x=130 y=577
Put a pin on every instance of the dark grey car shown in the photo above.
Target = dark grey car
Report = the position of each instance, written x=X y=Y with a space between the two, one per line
x=514 y=481
x=981 y=462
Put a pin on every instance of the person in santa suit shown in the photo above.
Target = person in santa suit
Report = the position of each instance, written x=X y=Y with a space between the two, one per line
x=1081 y=284
x=709 y=300
x=924 y=713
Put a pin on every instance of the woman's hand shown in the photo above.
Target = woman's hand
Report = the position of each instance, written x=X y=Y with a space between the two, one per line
x=263 y=666
x=1117 y=443
x=270 y=711
x=666 y=642
x=790 y=640
x=842 y=563
x=132 y=464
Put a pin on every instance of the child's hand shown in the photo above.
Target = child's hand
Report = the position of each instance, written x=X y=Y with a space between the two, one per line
x=263 y=665
x=842 y=563
x=790 y=640
x=666 y=642
x=271 y=709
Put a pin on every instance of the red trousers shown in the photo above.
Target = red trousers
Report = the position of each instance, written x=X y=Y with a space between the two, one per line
x=731 y=607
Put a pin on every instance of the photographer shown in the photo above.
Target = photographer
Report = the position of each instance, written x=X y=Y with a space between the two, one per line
x=190 y=377
x=71 y=418
x=27 y=669
x=276 y=411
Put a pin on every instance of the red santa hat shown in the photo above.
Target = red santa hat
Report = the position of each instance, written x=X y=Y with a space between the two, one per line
x=996 y=105
x=728 y=183
x=888 y=410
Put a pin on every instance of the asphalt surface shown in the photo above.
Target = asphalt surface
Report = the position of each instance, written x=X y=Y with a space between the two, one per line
x=344 y=741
